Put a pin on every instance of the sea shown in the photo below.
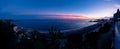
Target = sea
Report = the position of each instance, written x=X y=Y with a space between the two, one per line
x=45 y=24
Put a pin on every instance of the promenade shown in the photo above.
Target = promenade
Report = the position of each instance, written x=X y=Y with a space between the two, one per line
x=117 y=35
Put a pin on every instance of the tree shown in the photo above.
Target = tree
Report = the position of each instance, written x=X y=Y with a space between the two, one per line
x=55 y=37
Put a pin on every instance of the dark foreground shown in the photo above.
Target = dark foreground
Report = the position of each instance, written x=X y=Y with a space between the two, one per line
x=98 y=36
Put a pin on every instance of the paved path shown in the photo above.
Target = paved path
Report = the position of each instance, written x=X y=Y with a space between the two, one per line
x=117 y=35
x=81 y=30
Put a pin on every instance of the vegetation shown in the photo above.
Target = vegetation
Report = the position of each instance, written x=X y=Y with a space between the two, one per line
x=53 y=40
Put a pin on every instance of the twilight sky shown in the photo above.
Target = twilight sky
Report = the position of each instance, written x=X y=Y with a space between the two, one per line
x=88 y=8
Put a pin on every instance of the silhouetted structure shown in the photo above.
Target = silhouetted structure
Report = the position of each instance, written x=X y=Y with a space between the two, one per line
x=117 y=15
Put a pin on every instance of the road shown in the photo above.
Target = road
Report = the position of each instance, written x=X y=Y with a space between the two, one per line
x=81 y=30
x=117 y=35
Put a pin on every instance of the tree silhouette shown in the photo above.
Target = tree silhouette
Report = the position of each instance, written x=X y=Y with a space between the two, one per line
x=55 y=36
x=8 y=39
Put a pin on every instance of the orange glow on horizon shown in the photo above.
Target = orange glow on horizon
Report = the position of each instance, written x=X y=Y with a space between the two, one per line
x=75 y=17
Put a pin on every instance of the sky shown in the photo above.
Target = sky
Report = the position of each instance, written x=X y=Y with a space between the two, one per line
x=25 y=9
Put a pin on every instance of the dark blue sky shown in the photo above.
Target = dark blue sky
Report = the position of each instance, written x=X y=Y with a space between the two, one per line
x=89 y=8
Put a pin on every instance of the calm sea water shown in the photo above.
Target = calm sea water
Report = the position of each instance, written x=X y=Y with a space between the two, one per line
x=62 y=24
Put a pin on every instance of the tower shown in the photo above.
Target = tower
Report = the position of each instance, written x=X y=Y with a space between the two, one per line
x=117 y=15
x=118 y=11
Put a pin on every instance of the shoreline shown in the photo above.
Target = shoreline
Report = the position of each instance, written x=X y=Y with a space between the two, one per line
x=22 y=28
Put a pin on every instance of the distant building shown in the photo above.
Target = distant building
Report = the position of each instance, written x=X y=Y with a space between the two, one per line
x=117 y=15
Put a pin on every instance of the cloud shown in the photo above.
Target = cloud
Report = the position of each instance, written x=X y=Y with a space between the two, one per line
x=69 y=16
x=117 y=5
x=108 y=0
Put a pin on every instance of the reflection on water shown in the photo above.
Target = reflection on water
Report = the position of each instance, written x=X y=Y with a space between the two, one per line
x=44 y=25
